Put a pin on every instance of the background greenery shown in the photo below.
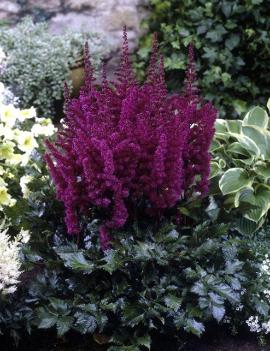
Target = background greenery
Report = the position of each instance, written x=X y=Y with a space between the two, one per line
x=232 y=44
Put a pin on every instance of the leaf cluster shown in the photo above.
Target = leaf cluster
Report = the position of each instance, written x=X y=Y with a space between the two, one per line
x=233 y=42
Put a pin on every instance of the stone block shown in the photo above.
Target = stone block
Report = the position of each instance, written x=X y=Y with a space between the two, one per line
x=10 y=7
x=44 y=4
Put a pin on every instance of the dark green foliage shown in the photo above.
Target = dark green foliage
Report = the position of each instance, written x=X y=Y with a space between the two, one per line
x=232 y=44
x=156 y=278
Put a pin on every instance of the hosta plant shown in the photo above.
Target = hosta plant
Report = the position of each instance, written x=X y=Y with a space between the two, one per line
x=241 y=166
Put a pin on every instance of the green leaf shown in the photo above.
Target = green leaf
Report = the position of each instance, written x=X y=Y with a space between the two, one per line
x=262 y=203
x=144 y=341
x=59 y=305
x=247 y=227
x=76 y=261
x=248 y=144
x=234 y=126
x=263 y=169
x=64 y=324
x=233 y=180
x=237 y=148
x=232 y=41
x=85 y=323
x=194 y=327
x=256 y=117
x=199 y=288
x=48 y=321
x=218 y=312
x=173 y=302
x=244 y=195
x=260 y=137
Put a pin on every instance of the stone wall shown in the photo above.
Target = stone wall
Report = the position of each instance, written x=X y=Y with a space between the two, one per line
x=104 y=16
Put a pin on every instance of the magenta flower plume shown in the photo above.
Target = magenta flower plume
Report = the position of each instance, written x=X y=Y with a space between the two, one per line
x=124 y=144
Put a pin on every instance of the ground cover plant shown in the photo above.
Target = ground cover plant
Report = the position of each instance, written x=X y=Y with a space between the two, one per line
x=234 y=45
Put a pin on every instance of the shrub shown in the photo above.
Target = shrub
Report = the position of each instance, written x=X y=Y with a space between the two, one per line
x=233 y=37
x=37 y=63
x=128 y=148
x=241 y=150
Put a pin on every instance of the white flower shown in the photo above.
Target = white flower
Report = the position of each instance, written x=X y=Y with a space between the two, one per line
x=9 y=114
x=9 y=263
x=43 y=127
x=27 y=114
x=26 y=141
x=254 y=325
x=2 y=55
x=23 y=183
x=24 y=236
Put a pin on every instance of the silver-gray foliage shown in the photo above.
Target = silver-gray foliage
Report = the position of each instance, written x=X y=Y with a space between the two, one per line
x=38 y=62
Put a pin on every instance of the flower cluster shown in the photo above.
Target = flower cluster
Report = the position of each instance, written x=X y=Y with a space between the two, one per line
x=261 y=323
x=9 y=260
x=125 y=146
x=19 y=134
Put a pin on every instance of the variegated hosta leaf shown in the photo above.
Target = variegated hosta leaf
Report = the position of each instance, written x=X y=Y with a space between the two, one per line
x=263 y=169
x=233 y=180
x=262 y=203
x=256 y=117
x=260 y=137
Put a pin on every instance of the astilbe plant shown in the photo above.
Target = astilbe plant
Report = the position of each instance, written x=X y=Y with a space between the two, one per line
x=125 y=145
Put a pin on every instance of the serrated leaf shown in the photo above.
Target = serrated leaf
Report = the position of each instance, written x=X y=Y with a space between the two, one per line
x=218 y=312
x=194 y=327
x=144 y=341
x=85 y=323
x=48 y=322
x=64 y=324
x=173 y=302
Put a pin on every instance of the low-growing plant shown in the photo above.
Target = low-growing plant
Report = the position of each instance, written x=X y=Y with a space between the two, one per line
x=37 y=63
x=240 y=165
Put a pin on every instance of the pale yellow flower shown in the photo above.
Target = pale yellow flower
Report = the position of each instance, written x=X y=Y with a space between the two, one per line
x=15 y=159
x=26 y=141
x=6 y=150
x=5 y=198
x=27 y=114
x=9 y=114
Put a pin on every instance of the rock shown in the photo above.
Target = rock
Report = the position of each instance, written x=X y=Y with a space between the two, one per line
x=9 y=7
x=122 y=16
x=75 y=22
x=80 y=5
x=44 y=4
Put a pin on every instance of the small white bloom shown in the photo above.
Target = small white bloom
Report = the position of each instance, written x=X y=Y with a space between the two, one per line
x=9 y=263
x=23 y=183
x=27 y=114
